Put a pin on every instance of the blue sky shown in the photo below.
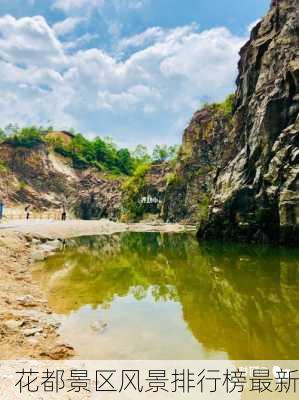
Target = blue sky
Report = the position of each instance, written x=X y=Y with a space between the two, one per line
x=134 y=70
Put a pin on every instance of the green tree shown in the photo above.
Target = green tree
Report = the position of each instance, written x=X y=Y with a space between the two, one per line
x=173 y=152
x=141 y=155
x=2 y=135
x=26 y=137
x=84 y=153
x=225 y=107
x=11 y=129
x=160 y=153
x=163 y=153
x=125 y=161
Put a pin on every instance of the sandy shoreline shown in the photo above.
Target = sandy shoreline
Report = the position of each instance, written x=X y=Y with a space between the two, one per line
x=47 y=229
x=27 y=327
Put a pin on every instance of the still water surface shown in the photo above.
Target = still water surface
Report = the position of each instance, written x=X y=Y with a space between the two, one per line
x=164 y=296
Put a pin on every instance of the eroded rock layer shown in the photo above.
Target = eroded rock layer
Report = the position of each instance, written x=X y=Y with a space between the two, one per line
x=256 y=195
x=238 y=177
x=47 y=181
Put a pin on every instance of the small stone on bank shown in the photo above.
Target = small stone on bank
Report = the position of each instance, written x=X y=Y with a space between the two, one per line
x=32 y=332
x=26 y=301
x=13 y=324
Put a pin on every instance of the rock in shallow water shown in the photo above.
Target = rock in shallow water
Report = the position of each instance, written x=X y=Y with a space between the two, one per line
x=98 y=327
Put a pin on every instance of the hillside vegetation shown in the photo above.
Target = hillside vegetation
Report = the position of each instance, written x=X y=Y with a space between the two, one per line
x=100 y=153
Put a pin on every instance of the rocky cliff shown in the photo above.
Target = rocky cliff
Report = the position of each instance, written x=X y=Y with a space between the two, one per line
x=46 y=180
x=98 y=197
x=239 y=178
x=143 y=194
x=205 y=149
x=237 y=170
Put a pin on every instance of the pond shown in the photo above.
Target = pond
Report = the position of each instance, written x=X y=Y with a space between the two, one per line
x=165 y=296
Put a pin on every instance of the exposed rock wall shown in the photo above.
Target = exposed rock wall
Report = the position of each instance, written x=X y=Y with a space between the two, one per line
x=46 y=180
x=255 y=196
x=237 y=174
x=30 y=176
x=205 y=148
x=154 y=189
x=98 y=198
x=238 y=178
x=144 y=193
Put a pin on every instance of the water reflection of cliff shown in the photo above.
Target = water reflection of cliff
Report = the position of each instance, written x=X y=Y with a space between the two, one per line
x=242 y=300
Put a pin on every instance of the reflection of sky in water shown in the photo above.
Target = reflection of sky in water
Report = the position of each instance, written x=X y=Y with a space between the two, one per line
x=163 y=296
x=138 y=329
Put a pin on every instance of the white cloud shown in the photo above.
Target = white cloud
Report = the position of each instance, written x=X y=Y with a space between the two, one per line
x=81 y=41
x=126 y=100
x=69 y=5
x=214 y=50
x=145 y=38
x=67 y=25
x=147 y=97
x=133 y=4
x=33 y=96
x=29 y=41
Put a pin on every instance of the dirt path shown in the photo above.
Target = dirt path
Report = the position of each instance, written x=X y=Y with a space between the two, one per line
x=27 y=327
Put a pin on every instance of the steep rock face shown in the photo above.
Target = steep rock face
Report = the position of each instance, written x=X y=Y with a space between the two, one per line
x=144 y=193
x=205 y=149
x=31 y=176
x=154 y=189
x=237 y=175
x=255 y=196
x=46 y=180
x=141 y=199
x=98 y=198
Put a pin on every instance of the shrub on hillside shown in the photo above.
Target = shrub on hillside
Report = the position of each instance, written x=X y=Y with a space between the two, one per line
x=26 y=137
